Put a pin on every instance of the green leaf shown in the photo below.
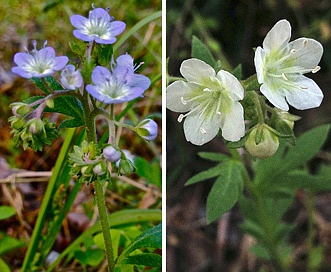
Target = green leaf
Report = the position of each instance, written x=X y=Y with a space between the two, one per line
x=308 y=144
x=91 y=257
x=207 y=174
x=6 y=212
x=146 y=259
x=103 y=54
x=151 y=238
x=219 y=157
x=149 y=170
x=201 y=51
x=237 y=72
x=8 y=243
x=225 y=191
x=3 y=266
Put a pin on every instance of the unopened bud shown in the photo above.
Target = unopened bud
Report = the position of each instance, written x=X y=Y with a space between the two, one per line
x=111 y=154
x=261 y=142
x=36 y=126
x=147 y=129
x=50 y=103
x=99 y=169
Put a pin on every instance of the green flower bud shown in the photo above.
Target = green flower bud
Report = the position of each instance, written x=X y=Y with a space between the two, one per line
x=261 y=142
x=50 y=103
x=126 y=166
x=100 y=169
x=36 y=126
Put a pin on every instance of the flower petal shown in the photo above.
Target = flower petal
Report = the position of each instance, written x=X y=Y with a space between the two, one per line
x=275 y=96
x=231 y=83
x=78 y=21
x=200 y=130
x=47 y=53
x=79 y=35
x=259 y=64
x=21 y=72
x=100 y=74
x=117 y=27
x=233 y=125
x=175 y=92
x=196 y=71
x=22 y=59
x=306 y=53
x=99 y=14
x=141 y=81
x=278 y=36
x=307 y=95
x=60 y=63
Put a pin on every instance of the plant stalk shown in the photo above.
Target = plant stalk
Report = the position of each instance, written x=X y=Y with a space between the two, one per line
x=100 y=198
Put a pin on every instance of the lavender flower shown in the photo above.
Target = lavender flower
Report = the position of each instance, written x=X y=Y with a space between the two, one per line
x=98 y=27
x=120 y=84
x=70 y=78
x=40 y=63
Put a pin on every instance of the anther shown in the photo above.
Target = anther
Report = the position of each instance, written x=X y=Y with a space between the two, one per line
x=304 y=43
x=183 y=101
x=218 y=112
x=284 y=77
x=303 y=87
x=292 y=51
x=206 y=90
x=316 y=69
x=203 y=131
x=180 y=118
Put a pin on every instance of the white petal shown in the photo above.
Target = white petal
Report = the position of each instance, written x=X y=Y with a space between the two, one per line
x=197 y=71
x=258 y=62
x=278 y=36
x=200 y=130
x=233 y=126
x=307 y=95
x=232 y=84
x=275 y=96
x=175 y=92
x=306 y=53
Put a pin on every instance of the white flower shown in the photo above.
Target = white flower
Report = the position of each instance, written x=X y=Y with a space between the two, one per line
x=280 y=66
x=210 y=100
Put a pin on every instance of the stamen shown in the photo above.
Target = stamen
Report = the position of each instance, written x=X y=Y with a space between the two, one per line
x=34 y=43
x=206 y=90
x=183 y=101
x=292 y=51
x=203 y=131
x=219 y=113
x=316 y=69
x=304 y=43
x=303 y=87
x=45 y=43
x=180 y=118
x=284 y=77
x=135 y=67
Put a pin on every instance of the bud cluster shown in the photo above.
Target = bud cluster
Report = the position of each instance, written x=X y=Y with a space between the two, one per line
x=30 y=131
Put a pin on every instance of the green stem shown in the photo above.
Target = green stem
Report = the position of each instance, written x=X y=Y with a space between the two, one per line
x=251 y=83
x=99 y=196
x=259 y=109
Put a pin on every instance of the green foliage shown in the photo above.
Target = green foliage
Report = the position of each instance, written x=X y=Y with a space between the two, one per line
x=149 y=170
x=6 y=212
x=201 y=51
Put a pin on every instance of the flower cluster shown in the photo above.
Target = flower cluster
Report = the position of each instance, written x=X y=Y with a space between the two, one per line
x=76 y=95
x=211 y=101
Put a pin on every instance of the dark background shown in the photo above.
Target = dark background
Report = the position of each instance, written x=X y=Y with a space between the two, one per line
x=231 y=29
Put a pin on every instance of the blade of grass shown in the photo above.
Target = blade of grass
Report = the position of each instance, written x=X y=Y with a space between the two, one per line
x=136 y=27
x=51 y=188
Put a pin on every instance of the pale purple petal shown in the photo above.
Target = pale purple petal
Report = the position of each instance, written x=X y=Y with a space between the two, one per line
x=125 y=60
x=84 y=37
x=99 y=14
x=46 y=53
x=105 y=41
x=100 y=74
x=78 y=21
x=117 y=27
x=141 y=81
x=21 y=72
x=60 y=63
x=22 y=58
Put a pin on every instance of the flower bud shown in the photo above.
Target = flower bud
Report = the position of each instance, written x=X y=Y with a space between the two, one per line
x=70 y=78
x=261 y=142
x=126 y=166
x=147 y=129
x=100 y=169
x=50 y=103
x=111 y=154
x=20 y=109
x=36 y=126
x=288 y=118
